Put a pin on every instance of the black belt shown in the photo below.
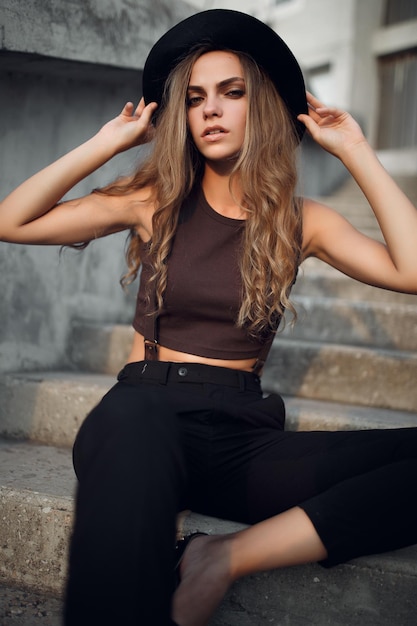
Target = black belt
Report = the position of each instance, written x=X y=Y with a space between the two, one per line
x=165 y=372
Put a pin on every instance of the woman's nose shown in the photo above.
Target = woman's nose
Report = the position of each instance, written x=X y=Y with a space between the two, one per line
x=212 y=108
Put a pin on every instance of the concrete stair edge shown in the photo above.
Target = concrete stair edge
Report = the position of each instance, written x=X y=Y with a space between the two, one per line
x=36 y=528
x=100 y=347
x=340 y=373
x=306 y=414
x=385 y=325
x=37 y=486
x=49 y=407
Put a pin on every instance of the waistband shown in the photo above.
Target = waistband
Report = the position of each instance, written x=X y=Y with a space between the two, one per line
x=164 y=372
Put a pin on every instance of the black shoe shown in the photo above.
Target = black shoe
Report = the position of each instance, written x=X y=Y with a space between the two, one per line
x=180 y=549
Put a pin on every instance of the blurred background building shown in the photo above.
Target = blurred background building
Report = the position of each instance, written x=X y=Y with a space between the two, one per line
x=67 y=67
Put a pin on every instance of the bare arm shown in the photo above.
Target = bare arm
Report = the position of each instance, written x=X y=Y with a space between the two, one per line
x=31 y=213
x=330 y=237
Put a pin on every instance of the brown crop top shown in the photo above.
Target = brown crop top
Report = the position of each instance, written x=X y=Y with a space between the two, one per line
x=203 y=293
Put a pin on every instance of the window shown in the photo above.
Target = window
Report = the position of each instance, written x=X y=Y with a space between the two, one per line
x=320 y=81
x=399 y=11
x=398 y=100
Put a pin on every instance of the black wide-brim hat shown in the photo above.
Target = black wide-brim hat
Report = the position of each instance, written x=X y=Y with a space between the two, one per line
x=232 y=30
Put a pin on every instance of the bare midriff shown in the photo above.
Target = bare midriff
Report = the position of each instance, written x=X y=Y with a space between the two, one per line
x=166 y=354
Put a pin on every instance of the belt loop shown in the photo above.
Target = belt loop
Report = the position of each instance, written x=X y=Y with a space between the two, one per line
x=242 y=381
x=157 y=371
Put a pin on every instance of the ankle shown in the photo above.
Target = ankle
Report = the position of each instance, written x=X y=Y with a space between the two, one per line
x=232 y=548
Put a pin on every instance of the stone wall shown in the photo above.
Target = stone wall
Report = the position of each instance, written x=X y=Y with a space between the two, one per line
x=65 y=69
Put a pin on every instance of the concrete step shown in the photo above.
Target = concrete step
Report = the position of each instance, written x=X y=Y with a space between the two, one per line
x=307 y=414
x=22 y=607
x=49 y=407
x=338 y=373
x=36 y=507
x=316 y=279
x=356 y=323
x=104 y=348
x=100 y=347
x=36 y=489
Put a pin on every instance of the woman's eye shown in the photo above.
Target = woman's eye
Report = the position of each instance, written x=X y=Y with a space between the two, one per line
x=193 y=101
x=235 y=93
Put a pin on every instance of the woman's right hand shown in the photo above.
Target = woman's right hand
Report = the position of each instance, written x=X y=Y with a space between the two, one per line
x=133 y=127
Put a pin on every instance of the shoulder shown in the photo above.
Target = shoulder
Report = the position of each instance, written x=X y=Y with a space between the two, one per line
x=314 y=210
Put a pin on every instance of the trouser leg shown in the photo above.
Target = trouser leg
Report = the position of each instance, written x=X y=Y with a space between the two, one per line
x=371 y=507
x=367 y=514
x=358 y=488
x=129 y=463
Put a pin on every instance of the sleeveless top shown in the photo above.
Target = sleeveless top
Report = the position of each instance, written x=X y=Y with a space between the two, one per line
x=204 y=286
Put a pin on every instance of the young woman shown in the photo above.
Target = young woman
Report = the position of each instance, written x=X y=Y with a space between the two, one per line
x=220 y=234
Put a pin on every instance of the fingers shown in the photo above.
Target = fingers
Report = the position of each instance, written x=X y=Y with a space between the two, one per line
x=140 y=108
x=315 y=105
x=317 y=111
x=308 y=122
x=130 y=111
x=318 y=115
x=146 y=110
x=127 y=109
x=313 y=102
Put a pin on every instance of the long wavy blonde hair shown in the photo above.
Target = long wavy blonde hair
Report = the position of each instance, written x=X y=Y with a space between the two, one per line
x=266 y=174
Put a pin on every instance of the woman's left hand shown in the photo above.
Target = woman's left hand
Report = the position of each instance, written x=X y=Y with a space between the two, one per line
x=333 y=129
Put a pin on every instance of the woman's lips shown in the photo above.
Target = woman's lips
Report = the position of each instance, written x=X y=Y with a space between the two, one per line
x=213 y=133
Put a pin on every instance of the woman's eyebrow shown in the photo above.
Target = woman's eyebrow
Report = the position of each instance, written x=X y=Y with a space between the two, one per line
x=228 y=81
x=222 y=83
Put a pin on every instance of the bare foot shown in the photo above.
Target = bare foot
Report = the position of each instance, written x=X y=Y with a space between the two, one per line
x=205 y=578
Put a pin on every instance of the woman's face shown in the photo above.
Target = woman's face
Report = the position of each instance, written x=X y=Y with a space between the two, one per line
x=217 y=105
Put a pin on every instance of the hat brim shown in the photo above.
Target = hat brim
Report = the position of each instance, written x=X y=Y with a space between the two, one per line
x=233 y=30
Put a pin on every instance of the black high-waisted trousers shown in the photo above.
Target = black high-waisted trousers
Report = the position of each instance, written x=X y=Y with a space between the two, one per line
x=169 y=437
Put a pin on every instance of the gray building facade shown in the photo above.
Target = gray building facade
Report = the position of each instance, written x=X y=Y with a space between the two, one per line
x=65 y=69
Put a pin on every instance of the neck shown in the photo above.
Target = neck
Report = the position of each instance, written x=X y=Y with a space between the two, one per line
x=221 y=195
